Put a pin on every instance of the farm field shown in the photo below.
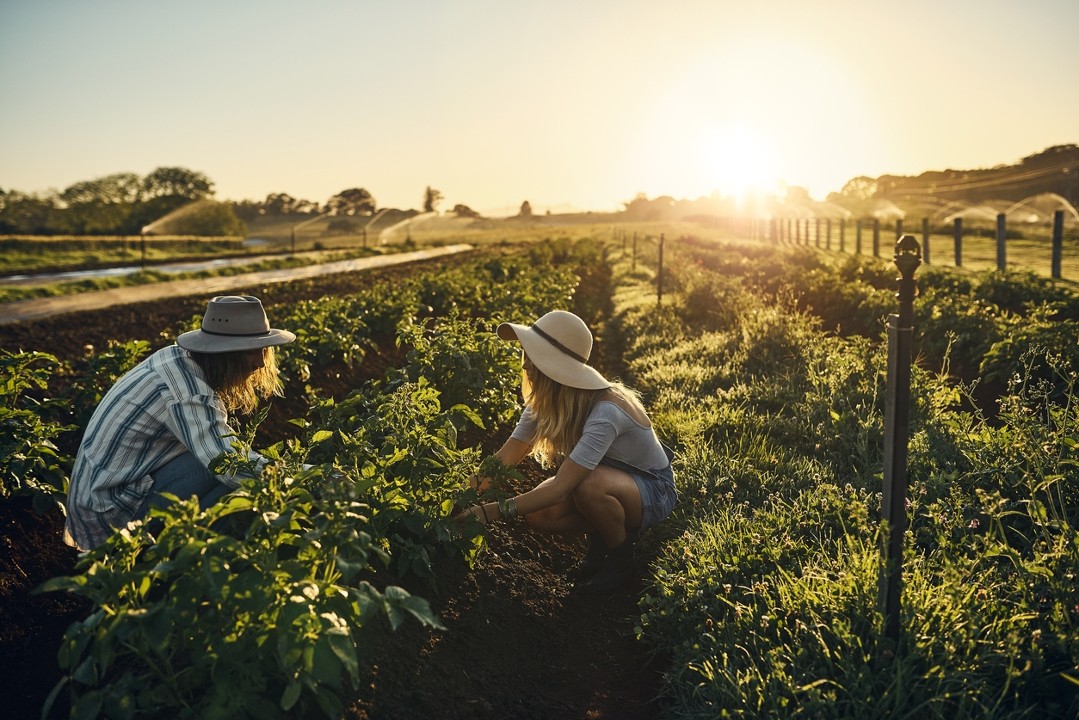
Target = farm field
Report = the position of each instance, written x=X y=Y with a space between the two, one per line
x=346 y=590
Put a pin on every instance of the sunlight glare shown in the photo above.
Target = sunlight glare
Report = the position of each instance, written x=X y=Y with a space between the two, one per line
x=742 y=163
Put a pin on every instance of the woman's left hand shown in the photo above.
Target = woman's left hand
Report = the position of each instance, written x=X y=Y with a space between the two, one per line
x=475 y=511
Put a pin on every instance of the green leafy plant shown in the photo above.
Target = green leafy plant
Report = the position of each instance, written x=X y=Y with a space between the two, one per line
x=30 y=462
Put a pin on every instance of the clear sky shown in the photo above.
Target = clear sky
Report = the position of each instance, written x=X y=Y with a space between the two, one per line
x=581 y=103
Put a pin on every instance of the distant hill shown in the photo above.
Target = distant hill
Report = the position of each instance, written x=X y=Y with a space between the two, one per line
x=1053 y=170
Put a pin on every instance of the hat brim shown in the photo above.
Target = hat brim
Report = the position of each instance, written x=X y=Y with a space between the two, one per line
x=204 y=342
x=551 y=361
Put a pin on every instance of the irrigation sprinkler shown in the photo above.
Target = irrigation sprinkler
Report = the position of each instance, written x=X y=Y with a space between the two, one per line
x=896 y=432
x=308 y=221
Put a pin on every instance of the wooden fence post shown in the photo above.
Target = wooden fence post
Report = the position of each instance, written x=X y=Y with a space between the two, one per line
x=842 y=234
x=958 y=233
x=633 y=266
x=797 y=232
x=1002 y=235
x=925 y=240
x=896 y=432
x=858 y=238
x=816 y=232
x=828 y=233
x=876 y=237
x=659 y=273
x=1058 y=242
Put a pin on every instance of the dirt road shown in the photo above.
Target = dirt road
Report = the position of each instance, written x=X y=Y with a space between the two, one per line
x=44 y=307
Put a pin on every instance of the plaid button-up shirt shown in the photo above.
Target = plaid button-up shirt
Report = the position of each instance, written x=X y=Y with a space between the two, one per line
x=161 y=409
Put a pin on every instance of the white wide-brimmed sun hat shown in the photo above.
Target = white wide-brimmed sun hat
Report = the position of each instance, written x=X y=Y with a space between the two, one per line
x=558 y=344
x=232 y=323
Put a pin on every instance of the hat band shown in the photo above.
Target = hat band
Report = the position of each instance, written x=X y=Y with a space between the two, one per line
x=559 y=345
x=256 y=334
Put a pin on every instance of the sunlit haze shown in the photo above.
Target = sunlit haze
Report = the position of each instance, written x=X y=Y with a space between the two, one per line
x=576 y=104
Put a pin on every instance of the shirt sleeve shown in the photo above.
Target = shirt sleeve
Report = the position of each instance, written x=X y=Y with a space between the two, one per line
x=202 y=426
x=526 y=427
x=596 y=438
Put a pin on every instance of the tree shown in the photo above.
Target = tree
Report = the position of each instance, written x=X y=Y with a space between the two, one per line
x=177 y=182
x=354 y=201
x=860 y=188
x=28 y=214
x=102 y=205
x=526 y=210
x=431 y=198
x=464 y=211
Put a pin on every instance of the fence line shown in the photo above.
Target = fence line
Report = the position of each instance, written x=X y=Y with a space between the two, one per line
x=820 y=233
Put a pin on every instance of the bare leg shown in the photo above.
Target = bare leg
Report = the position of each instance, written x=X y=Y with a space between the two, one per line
x=562 y=518
x=609 y=501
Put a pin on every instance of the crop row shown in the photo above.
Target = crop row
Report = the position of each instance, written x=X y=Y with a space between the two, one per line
x=258 y=605
x=765 y=587
x=766 y=369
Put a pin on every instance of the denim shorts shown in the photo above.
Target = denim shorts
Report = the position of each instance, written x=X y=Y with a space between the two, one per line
x=658 y=495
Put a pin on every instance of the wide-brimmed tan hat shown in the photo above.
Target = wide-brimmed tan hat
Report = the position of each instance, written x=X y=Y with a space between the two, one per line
x=231 y=323
x=558 y=344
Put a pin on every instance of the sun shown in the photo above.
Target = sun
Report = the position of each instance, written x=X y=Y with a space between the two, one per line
x=741 y=162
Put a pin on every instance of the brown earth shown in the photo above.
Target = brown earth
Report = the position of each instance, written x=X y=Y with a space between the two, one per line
x=519 y=642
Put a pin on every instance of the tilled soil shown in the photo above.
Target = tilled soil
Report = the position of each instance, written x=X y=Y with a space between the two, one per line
x=519 y=643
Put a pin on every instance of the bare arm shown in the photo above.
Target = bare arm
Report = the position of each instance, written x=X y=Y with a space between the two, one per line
x=552 y=490
x=512 y=452
x=547 y=493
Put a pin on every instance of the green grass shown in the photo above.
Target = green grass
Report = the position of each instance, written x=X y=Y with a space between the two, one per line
x=764 y=594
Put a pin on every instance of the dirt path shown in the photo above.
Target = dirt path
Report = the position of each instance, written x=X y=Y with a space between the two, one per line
x=24 y=310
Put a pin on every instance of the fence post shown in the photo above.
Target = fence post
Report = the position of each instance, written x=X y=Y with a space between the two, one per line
x=842 y=234
x=633 y=266
x=659 y=273
x=1058 y=242
x=896 y=431
x=858 y=238
x=816 y=232
x=925 y=240
x=828 y=233
x=958 y=232
x=1002 y=233
x=876 y=237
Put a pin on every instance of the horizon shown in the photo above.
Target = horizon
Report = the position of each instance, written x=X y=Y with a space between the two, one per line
x=495 y=105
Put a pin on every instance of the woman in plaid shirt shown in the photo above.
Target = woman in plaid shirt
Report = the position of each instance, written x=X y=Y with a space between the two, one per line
x=159 y=428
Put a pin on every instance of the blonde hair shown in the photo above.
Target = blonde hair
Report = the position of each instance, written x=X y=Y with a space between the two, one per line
x=561 y=411
x=231 y=377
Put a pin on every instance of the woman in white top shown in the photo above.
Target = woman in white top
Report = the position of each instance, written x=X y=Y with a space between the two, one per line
x=614 y=476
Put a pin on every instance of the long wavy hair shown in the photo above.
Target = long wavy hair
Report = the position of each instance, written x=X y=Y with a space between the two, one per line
x=236 y=385
x=561 y=412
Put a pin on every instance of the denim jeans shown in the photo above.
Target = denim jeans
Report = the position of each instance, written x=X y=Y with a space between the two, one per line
x=184 y=477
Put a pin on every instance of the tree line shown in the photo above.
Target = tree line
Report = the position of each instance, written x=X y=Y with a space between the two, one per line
x=129 y=204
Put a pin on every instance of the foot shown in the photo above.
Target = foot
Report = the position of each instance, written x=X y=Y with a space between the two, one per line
x=616 y=571
x=593 y=559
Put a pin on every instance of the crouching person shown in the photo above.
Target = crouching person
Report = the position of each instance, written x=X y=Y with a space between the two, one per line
x=158 y=429
x=614 y=476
